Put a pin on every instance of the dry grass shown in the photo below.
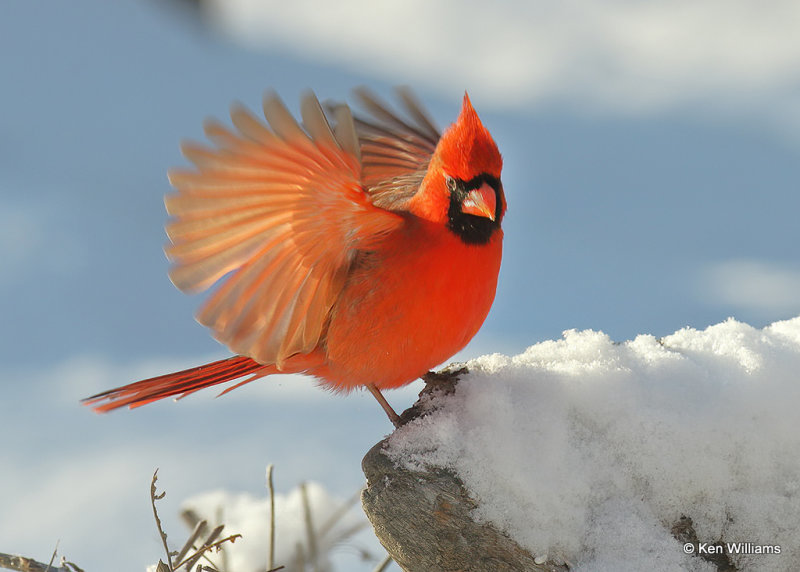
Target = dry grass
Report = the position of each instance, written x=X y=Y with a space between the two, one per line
x=197 y=547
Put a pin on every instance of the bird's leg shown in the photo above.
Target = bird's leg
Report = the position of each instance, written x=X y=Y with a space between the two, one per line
x=393 y=417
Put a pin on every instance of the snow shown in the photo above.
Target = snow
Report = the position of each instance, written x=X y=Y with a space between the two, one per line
x=588 y=451
x=248 y=515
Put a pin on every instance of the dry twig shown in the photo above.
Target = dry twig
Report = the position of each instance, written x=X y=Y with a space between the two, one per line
x=22 y=564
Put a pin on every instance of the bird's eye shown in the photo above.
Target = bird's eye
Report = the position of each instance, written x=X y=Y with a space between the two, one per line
x=450 y=182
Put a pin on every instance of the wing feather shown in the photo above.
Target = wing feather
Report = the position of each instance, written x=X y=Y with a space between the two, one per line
x=282 y=122
x=425 y=125
x=395 y=147
x=315 y=122
x=251 y=127
x=274 y=213
x=346 y=131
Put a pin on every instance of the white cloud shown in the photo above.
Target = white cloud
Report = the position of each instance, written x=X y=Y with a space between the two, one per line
x=753 y=285
x=620 y=55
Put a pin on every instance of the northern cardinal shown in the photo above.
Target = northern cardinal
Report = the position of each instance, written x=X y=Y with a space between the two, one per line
x=361 y=251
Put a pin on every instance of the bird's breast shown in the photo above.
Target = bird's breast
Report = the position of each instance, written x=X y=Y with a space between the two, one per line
x=409 y=306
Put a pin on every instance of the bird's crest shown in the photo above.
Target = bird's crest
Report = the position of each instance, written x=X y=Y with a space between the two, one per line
x=467 y=149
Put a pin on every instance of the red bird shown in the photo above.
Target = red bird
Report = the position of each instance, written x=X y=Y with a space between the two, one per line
x=361 y=251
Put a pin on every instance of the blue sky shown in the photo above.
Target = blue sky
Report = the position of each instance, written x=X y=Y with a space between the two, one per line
x=652 y=182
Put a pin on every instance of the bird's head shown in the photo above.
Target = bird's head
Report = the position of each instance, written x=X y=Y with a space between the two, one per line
x=462 y=187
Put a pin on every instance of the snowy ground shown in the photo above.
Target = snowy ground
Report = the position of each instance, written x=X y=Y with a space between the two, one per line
x=588 y=450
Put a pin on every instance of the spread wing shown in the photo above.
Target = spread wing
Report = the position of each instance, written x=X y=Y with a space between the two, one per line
x=275 y=215
x=396 y=147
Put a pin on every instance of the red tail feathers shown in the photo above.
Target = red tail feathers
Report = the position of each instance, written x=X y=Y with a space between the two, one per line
x=180 y=383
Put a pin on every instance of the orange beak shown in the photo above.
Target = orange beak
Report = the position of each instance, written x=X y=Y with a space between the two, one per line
x=481 y=202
